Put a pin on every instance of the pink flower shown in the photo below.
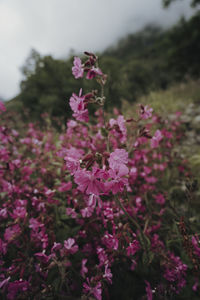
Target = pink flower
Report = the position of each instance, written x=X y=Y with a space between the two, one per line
x=93 y=72
x=103 y=258
x=16 y=287
x=156 y=139
x=35 y=224
x=118 y=158
x=77 y=69
x=56 y=246
x=4 y=282
x=148 y=290
x=78 y=106
x=87 y=212
x=70 y=246
x=133 y=248
x=71 y=212
x=160 y=199
x=145 y=112
x=108 y=275
x=84 y=269
x=11 y=232
x=90 y=182
x=72 y=159
x=120 y=130
x=96 y=290
x=3 y=213
x=42 y=257
x=65 y=186
x=110 y=241
x=19 y=212
x=118 y=181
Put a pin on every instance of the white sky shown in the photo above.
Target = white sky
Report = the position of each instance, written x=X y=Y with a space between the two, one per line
x=57 y=26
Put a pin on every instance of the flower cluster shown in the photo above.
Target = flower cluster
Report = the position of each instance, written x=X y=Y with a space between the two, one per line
x=81 y=209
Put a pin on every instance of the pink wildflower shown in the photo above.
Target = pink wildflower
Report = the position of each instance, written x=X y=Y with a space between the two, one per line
x=118 y=158
x=72 y=159
x=3 y=213
x=11 y=232
x=93 y=72
x=90 y=182
x=77 y=69
x=160 y=199
x=110 y=241
x=103 y=258
x=145 y=112
x=87 y=212
x=4 y=282
x=148 y=290
x=133 y=248
x=70 y=246
x=65 y=186
x=108 y=275
x=118 y=180
x=96 y=291
x=78 y=106
x=119 y=128
x=84 y=269
x=156 y=139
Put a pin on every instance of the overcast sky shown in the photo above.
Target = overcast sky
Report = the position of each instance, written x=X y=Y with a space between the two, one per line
x=57 y=26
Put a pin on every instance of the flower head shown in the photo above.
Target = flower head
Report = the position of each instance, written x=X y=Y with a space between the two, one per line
x=77 y=69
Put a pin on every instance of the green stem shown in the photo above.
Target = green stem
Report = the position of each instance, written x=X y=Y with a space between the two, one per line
x=142 y=239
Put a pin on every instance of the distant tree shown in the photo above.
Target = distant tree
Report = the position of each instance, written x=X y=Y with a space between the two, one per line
x=194 y=3
x=47 y=85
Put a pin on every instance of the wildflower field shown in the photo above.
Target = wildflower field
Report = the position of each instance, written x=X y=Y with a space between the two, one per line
x=106 y=208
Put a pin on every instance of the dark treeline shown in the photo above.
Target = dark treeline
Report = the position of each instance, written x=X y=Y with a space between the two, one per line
x=141 y=62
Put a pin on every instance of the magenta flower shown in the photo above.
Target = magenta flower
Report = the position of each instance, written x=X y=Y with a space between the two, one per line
x=103 y=258
x=118 y=158
x=145 y=112
x=87 y=212
x=90 y=182
x=119 y=126
x=133 y=248
x=4 y=282
x=148 y=291
x=11 y=232
x=156 y=139
x=70 y=246
x=84 y=269
x=175 y=271
x=93 y=72
x=72 y=158
x=16 y=287
x=108 y=275
x=78 y=106
x=160 y=199
x=77 y=69
x=110 y=241
x=96 y=290
x=3 y=213
x=118 y=181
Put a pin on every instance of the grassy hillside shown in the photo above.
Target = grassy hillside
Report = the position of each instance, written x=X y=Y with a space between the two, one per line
x=184 y=98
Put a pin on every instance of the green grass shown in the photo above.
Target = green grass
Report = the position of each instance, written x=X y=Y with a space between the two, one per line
x=176 y=98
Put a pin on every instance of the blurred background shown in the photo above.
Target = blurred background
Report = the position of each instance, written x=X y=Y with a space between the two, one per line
x=144 y=46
